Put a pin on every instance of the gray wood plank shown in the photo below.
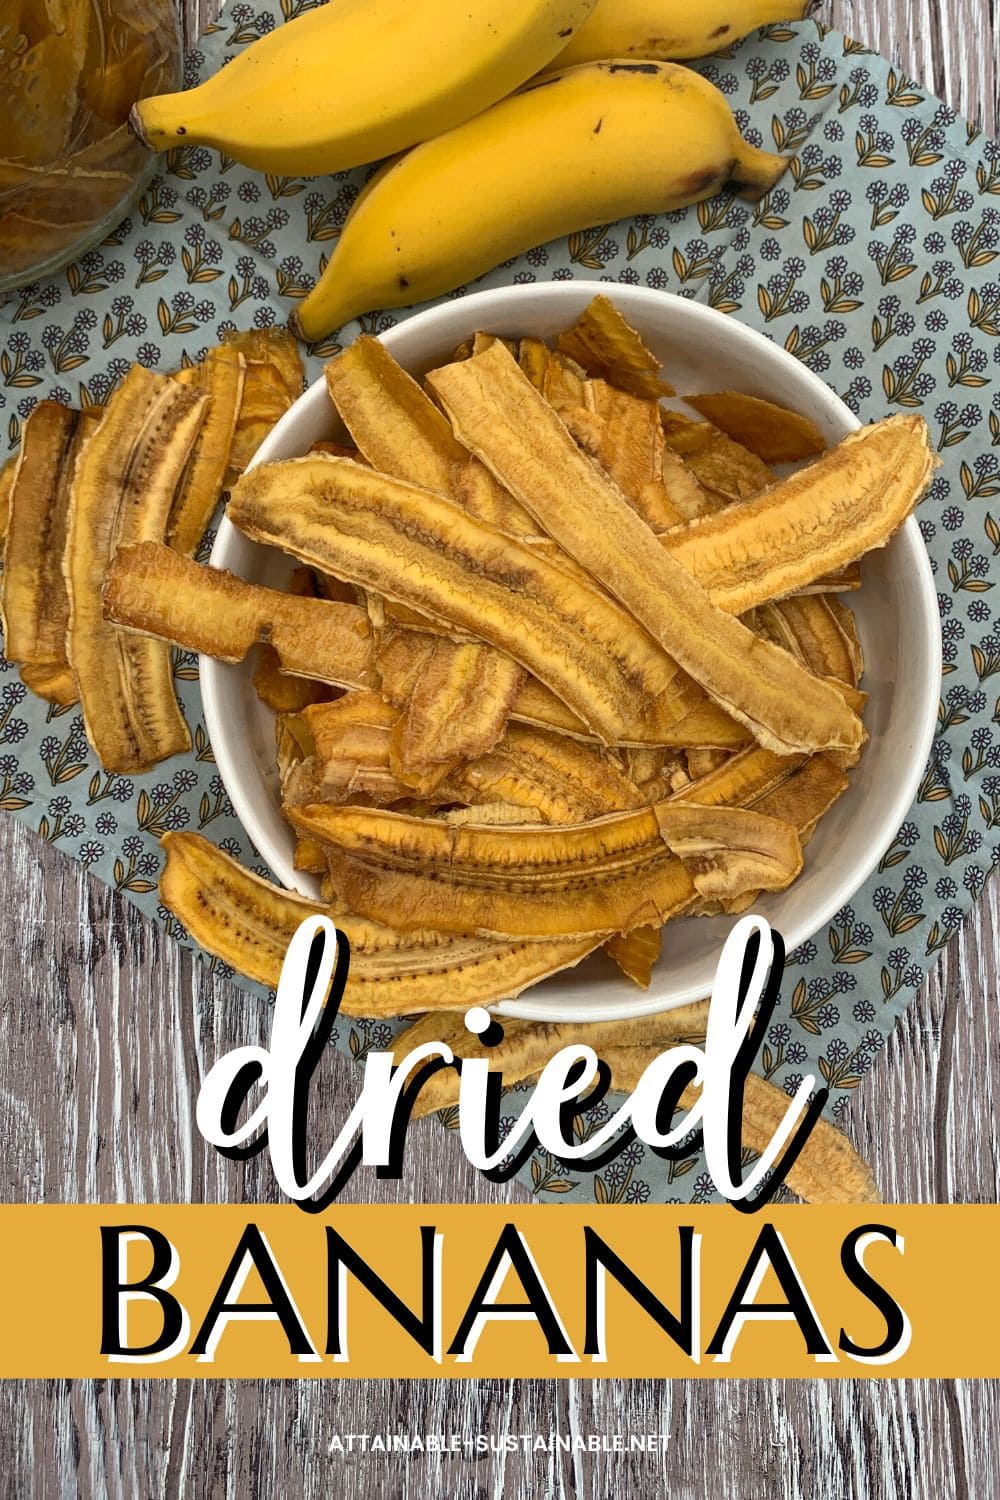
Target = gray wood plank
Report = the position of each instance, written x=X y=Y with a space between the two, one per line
x=109 y=1026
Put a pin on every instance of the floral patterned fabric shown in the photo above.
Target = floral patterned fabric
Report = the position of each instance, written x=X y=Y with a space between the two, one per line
x=876 y=261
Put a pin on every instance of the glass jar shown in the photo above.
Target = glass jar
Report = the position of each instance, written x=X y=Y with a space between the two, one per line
x=70 y=170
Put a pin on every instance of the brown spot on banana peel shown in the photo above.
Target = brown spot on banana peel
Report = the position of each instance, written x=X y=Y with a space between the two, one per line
x=710 y=181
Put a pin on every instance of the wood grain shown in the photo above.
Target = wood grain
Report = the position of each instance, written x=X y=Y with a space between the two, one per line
x=108 y=1026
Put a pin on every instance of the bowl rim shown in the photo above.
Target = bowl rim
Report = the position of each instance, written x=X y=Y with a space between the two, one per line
x=478 y=306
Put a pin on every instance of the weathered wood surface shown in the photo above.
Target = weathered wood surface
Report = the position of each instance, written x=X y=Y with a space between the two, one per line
x=107 y=1027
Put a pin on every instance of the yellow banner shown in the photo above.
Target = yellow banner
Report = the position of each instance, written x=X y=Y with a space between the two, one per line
x=457 y=1290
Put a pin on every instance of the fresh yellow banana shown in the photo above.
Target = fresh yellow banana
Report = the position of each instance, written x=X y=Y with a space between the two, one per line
x=583 y=147
x=668 y=29
x=356 y=80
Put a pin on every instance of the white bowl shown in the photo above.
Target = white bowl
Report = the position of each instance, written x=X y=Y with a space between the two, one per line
x=896 y=612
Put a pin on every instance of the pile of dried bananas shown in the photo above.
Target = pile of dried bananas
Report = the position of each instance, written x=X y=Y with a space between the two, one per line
x=595 y=672
x=557 y=664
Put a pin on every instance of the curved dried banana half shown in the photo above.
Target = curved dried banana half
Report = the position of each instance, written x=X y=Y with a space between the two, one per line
x=850 y=501
x=605 y=876
x=418 y=548
x=248 y=923
x=124 y=485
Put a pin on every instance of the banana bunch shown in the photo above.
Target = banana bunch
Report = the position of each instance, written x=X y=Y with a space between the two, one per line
x=356 y=80
x=607 y=127
x=588 y=146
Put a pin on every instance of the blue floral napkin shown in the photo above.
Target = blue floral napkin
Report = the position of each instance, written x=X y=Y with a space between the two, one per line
x=876 y=261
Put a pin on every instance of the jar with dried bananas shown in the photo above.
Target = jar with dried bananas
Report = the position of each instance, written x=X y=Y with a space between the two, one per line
x=70 y=70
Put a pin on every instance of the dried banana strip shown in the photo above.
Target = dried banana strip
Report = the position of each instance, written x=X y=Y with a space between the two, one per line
x=7 y=471
x=806 y=795
x=309 y=857
x=560 y=779
x=368 y=781
x=498 y=414
x=528 y=1045
x=705 y=724
x=155 y=591
x=743 y=779
x=604 y=876
x=355 y=727
x=34 y=598
x=827 y=1170
x=727 y=855
x=400 y=432
x=221 y=377
x=725 y=470
x=288 y=751
x=273 y=379
x=279 y=691
x=123 y=487
x=776 y=434
x=682 y=715
x=624 y=435
x=636 y=953
x=808 y=626
x=531 y=773
x=419 y=784
x=416 y=547
x=845 y=580
x=657 y=773
x=703 y=761
x=685 y=494
x=350 y=756
x=459 y=706
x=249 y=923
x=559 y=378
x=812 y=523
x=847 y=624
x=794 y=789
x=605 y=345
x=336 y=450
x=54 y=684
x=276 y=689
x=395 y=424
x=647 y=763
x=492 y=814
